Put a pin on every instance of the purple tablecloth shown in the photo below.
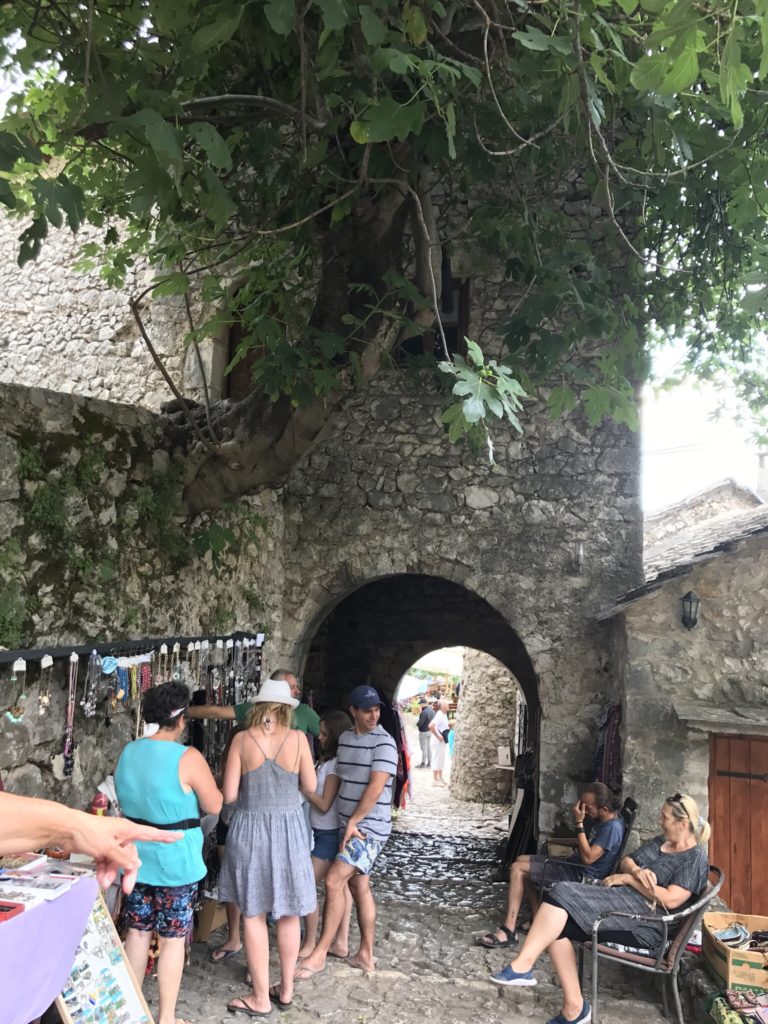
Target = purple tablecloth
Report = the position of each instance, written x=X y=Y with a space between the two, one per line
x=37 y=950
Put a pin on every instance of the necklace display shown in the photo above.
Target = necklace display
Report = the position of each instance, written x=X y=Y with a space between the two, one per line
x=46 y=670
x=92 y=681
x=16 y=713
x=69 y=727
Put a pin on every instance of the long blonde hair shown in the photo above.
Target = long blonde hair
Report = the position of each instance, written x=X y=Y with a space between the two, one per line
x=684 y=808
x=281 y=714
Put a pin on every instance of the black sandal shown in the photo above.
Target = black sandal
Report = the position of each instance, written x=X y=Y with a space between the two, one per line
x=489 y=940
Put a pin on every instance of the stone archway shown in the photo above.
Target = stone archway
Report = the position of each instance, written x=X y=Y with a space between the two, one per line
x=376 y=632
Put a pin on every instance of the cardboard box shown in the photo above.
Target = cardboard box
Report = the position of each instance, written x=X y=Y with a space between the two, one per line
x=211 y=915
x=734 y=968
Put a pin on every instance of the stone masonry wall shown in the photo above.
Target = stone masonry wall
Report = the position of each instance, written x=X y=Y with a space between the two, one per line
x=724 y=659
x=67 y=330
x=384 y=493
x=713 y=503
x=486 y=719
x=93 y=548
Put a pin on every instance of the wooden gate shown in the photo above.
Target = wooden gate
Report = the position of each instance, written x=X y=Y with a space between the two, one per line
x=738 y=813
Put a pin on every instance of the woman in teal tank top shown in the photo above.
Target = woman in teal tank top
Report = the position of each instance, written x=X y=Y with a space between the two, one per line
x=160 y=781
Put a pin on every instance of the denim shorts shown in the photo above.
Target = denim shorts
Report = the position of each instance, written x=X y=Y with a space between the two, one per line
x=361 y=853
x=326 y=843
x=161 y=908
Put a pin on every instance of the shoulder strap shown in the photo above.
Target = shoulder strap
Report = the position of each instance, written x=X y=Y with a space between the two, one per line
x=249 y=733
x=298 y=750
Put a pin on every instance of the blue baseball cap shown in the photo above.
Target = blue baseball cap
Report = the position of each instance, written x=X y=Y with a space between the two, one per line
x=364 y=697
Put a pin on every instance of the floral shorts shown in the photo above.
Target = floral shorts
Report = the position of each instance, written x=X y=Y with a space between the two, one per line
x=164 y=909
x=361 y=854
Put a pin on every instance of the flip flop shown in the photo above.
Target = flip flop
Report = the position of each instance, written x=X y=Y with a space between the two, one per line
x=489 y=940
x=274 y=995
x=225 y=954
x=359 y=967
x=246 y=1009
x=304 y=973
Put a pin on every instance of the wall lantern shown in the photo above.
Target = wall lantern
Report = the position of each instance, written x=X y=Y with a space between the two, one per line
x=690 y=609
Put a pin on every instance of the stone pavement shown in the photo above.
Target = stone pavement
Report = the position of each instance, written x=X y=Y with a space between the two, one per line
x=435 y=888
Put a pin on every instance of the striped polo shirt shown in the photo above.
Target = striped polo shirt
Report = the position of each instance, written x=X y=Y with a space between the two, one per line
x=357 y=757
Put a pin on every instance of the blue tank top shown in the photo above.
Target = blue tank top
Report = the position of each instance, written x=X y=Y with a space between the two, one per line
x=148 y=787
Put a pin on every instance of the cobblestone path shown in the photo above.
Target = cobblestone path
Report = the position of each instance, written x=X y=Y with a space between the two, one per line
x=435 y=889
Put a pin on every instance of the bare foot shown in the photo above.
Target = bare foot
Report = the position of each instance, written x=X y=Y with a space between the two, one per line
x=304 y=952
x=362 y=963
x=338 y=952
x=245 y=1004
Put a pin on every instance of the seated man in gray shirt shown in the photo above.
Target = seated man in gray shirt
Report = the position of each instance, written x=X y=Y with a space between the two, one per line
x=366 y=764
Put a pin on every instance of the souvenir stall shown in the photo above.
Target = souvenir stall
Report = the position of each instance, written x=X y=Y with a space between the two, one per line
x=49 y=911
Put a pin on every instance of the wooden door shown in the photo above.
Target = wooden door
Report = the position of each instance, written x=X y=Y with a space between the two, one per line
x=738 y=813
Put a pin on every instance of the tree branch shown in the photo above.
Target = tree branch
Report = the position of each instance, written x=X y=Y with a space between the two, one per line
x=264 y=102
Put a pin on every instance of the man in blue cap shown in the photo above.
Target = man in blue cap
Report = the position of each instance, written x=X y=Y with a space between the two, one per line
x=366 y=765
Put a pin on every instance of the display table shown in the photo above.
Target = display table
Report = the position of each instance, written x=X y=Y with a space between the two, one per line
x=37 y=950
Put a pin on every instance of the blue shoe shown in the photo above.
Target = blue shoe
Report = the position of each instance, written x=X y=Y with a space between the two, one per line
x=583 y=1018
x=507 y=976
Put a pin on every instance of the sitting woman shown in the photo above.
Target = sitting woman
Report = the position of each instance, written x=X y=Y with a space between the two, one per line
x=660 y=877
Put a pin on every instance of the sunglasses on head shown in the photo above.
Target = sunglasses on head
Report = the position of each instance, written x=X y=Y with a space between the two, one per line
x=677 y=799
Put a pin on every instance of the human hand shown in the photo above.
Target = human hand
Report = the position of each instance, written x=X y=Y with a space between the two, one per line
x=610 y=880
x=351 y=832
x=646 y=878
x=579 y=812
x=110 y=842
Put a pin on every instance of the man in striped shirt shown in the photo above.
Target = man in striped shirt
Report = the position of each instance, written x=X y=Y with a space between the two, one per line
x=366 y=764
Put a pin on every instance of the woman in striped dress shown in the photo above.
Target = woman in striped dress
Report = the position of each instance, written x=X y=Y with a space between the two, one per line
x=661 y=876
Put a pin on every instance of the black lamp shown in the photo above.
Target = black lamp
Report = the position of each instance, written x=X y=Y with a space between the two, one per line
x=690 y=609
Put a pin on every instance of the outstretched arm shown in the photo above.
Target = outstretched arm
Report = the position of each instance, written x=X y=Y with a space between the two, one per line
x=28 y=824
x=225 y=711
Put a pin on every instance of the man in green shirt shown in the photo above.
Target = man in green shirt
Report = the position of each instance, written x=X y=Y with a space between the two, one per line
x=305 y=719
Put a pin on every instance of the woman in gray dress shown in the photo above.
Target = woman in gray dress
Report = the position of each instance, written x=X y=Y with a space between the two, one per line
x=267 y=866
x=661 y=876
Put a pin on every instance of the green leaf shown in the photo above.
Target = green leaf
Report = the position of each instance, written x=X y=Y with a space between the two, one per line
x=218 y=32
x=335 y=13
x=734 y=77
x=683 y=73
x=474 y=352
x=374 y=30
x=415 y=24
x=562 y=400
x=628 y=6
x=209 y=140
x=217 y=202
x=173 y=284
x=649 y=72
x=281 y=15
x=450 y=129
x=532 y=39
x=388 y=120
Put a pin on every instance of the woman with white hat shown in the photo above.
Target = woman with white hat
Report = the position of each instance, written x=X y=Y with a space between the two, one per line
x=267 y=866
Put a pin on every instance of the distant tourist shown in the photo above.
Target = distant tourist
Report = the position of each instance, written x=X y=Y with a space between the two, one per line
x=438 y=727
x=426 y=714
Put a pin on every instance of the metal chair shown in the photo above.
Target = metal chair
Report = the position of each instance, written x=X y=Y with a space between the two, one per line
x=677 y=931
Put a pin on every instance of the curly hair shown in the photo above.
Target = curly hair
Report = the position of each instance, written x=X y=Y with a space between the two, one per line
x=160 y=703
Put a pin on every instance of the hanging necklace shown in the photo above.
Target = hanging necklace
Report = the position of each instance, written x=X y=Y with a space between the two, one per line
x=92 y=678
x=44 y=699
x=69 y=728
x=16 y=712
x=175 y=665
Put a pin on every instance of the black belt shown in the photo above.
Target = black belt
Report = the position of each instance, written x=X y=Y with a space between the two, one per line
x=168 y=826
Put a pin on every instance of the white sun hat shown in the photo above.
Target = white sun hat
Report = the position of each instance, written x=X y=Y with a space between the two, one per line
x=275 y=691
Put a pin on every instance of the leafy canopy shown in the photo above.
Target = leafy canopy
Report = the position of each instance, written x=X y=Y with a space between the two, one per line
x=613 y=151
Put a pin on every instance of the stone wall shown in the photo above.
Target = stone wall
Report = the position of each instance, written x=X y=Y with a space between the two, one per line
x=93 y=548
x=384 y=494
x=486 y=718
x=68 y=331
x=716 y=502
x=724 y=659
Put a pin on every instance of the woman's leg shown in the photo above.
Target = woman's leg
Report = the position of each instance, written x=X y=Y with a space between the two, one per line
x=257 y=954
x=545 y=929
x=312 y=920
x=170 y=967
x=137 y=950
x=563 y=957
x=288 y=939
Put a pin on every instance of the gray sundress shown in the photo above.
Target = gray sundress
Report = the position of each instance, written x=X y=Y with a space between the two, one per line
x=267 y=866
